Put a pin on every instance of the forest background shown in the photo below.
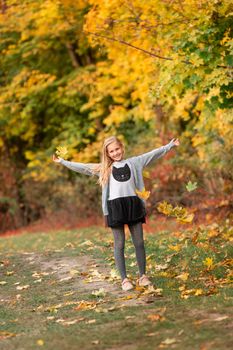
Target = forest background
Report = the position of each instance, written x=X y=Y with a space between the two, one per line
x=75 y=72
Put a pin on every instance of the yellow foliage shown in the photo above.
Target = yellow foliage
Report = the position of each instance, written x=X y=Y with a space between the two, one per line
x=181 y=214
x=209 y=263
x=143 y=194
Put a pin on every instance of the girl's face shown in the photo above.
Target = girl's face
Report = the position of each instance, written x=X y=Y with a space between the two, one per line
x=115 y=151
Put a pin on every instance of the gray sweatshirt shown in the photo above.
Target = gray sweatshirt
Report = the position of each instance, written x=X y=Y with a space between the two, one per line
x=137 y=164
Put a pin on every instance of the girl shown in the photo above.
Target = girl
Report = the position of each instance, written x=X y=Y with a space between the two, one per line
x=121 y=179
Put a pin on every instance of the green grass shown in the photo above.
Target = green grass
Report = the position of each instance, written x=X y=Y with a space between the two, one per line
x=195 y=307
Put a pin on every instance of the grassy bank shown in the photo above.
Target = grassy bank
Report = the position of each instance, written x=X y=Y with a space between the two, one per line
x=60 y=290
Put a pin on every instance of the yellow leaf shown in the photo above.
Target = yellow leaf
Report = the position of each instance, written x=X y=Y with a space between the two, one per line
x=169 y=341
x=183 y=276
x=61 y=152
x=199 y=292
x=208 y=262
x=2 y=283
x=99 y=293
x=176 y=247
x=86 y=305
x=10 y=273
x=143 y=194
x=186 y=219
x=23 y=287
x=40 y=342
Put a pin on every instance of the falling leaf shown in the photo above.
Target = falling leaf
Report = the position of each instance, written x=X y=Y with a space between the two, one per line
x=191 y=186
x=143 y=194
x=181 y=214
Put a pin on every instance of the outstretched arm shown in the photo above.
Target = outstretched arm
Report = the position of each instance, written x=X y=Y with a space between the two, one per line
x=82 y=168
x=147 y=158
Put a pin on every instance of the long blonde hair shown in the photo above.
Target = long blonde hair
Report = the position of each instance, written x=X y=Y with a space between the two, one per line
x=106 y=162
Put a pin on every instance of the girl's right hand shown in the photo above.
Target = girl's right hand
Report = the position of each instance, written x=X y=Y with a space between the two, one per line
x=56 y=159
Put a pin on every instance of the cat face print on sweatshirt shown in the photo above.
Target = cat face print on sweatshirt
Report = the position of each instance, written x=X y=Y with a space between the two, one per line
x=121 y=174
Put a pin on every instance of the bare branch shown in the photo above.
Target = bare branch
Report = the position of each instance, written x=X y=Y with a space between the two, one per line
x=134 y=47
x=146 y=51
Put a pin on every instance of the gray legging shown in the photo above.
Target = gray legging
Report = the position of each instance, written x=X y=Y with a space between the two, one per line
x=119 y=247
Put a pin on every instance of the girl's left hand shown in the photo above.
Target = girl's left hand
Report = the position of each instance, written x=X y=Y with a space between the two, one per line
x=176 y=142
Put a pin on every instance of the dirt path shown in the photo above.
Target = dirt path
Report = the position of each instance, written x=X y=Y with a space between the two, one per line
x=85 y=274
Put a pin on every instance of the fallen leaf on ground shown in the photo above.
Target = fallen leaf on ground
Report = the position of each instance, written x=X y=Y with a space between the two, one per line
x=127 y=297
x=161 y=267
x=40 y=342
x=90 y=321
x=4 y=334
x=66 y=279
x=86 y=305
x=99 y=293
x=95 y=342
x=209 y=263
x=23 y=287
x=220 y=318
x=155 y=317
x=169 y=341
x=183 y=276
x=10 y=273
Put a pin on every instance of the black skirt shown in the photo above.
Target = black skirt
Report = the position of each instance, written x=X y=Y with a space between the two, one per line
x=125 y=210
